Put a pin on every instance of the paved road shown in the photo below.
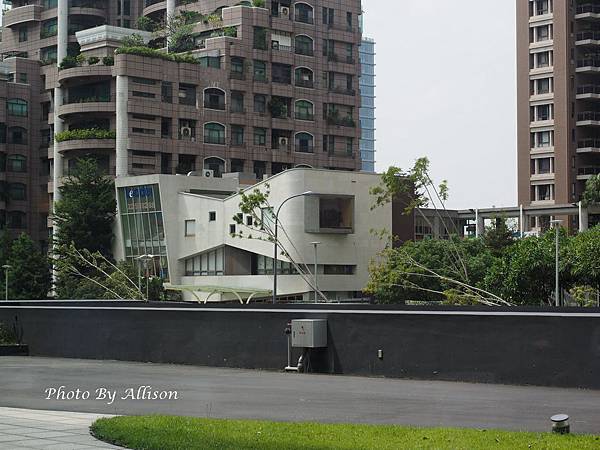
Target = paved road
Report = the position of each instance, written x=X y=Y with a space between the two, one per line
x=22 y=429
x=227 y=393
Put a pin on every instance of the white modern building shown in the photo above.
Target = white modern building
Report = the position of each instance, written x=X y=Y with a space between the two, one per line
x=187 y=224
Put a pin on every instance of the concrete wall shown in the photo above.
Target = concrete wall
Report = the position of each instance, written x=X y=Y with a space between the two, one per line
x=552 y=348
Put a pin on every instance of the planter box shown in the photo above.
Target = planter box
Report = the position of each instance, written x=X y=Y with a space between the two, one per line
x=14 y=350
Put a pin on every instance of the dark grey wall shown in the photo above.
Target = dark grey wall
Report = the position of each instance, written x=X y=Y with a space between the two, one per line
x=459 y=344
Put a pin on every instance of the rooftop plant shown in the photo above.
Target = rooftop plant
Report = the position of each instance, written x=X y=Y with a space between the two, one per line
x=86 y=133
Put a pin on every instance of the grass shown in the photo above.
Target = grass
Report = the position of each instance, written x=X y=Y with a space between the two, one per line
x=169 y=432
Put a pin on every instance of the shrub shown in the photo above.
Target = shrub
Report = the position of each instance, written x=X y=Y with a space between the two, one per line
x=93 y=60
x=87 y=133
x=80 y=59
x=68 y=62
x=153 y=53
x=108 y=60
x=230 y=31
x=258 y=3
x=135 y=40
x=146 y=24
x=7 y=336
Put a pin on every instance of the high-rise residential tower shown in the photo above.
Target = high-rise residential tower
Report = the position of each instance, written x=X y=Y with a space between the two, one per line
x=558 y=82
x=259 y=90
x=367 y=106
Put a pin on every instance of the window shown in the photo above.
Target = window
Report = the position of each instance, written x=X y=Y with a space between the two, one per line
x=165 y=127
x=210 y=61
x=232 y=228
x=23 y=34
x=17 y=135
x=237 y=68
x=260 y=136
x=237 y=165
x=22 y=77
x=214 y=99
x=143 y=94
x=187 y=129
x=187 y=94
x=16 y=163
x=216 y=164
x=260 y=71
x=304 y=45
x=166 y=92
x=17 y=107
x=349 y=20
x=249 y=221
x=146 y=81
x=260 y=103
x=282 y=73
x=207 y=264
x=16 y=191
x=190 y=227
x=260 y=38
x=212 y=216
x=328 y=16
x=237 y=135
x=303 y=13
x=214 y=133
x=304 y=110
x=304 y=143
x=304 y=77
x=16 y=219
x=335 y=269
x=237 y=102
x=336 y=212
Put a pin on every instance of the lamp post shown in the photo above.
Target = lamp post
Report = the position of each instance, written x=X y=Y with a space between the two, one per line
x=6 y=268
x=315 y=245
x=146 y=259
x=556 y=223
x=275 y=250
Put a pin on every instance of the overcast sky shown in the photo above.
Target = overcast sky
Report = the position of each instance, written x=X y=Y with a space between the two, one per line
x=446 y=89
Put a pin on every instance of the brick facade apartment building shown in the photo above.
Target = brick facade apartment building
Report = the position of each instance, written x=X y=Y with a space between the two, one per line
x=558 y=80
x=272 y=88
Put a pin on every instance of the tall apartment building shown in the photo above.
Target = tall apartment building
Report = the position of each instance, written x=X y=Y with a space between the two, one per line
x=268 y=88
x=558 y=82
x=367 y=107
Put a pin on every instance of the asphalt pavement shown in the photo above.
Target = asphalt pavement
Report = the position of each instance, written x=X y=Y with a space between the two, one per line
x=113 y=387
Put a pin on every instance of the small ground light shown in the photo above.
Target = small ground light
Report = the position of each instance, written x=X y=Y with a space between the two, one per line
x=560 y=424
x=380 y=354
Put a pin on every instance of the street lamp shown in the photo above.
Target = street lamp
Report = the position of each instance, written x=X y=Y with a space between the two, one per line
x=146 y=259
x=315 y=245
x=276 y=244
x=6 y=268
x=556 y=224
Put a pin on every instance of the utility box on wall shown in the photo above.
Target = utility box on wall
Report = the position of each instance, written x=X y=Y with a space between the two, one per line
x=309 y=333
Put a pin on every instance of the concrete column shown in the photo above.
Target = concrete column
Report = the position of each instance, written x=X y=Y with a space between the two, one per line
x=122 y=126
x=521 y=221
x=170 y=8
x=479 y=224
x=583 y=218
x=62 y=40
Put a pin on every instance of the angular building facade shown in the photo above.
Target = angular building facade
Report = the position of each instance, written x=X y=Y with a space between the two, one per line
x=367 y=106
x=260 y=90
x=558 y=82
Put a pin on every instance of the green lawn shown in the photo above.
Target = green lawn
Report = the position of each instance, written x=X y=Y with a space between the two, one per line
x=169 y=432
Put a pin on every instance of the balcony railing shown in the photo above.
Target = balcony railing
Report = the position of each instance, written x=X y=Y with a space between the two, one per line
x=588 y=8
x=342 y=90
x=305 y=83
x=305 y=116
x=90 y=99
x=588 y=62
x=305 y=18
x=304 y=148
x=588 y=35
x=332 y=57
x=340 y=121
x=93 y=4
x=589 y=143
x=237 y=75
x=152 y=2
x=304 y=51
x=588 y=171
x=214 y=105
x=588 y=89
x=280 y=47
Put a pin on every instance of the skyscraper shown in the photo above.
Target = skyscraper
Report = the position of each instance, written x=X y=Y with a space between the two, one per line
x=558 y=82
x=254 y=89
x=367 y=106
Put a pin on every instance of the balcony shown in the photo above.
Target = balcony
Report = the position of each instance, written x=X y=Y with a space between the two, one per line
x=588 y=118
x=74 y=74
x=588 y=146
x=587 y=11
x=22 y=14
x=151 y=6
x=588 y=65
x=88 y=105
x=336 y=120
x=587 y=38
x=305 y=83
x=332 y=57
x=585 y=173
x=233 y=75
x=588 y=92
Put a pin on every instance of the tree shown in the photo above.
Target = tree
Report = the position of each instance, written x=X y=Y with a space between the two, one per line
x=591 y=195
x=178 y=32
x=498 y=236
x=583 y=255
x=426 y=270
x=30 y=271
x=84 y=219
x=524 y=275
x=84 y=215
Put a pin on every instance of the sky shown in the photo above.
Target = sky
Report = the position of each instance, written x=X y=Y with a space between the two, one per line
x=446 y=89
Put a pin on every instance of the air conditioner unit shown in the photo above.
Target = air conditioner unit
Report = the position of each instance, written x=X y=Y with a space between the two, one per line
x=186 y=131
x=207 y=173
x=275 y=45
x=285 y=11
x=283 y=141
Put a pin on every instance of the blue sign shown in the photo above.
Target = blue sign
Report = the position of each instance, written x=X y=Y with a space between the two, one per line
x=140 y=191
